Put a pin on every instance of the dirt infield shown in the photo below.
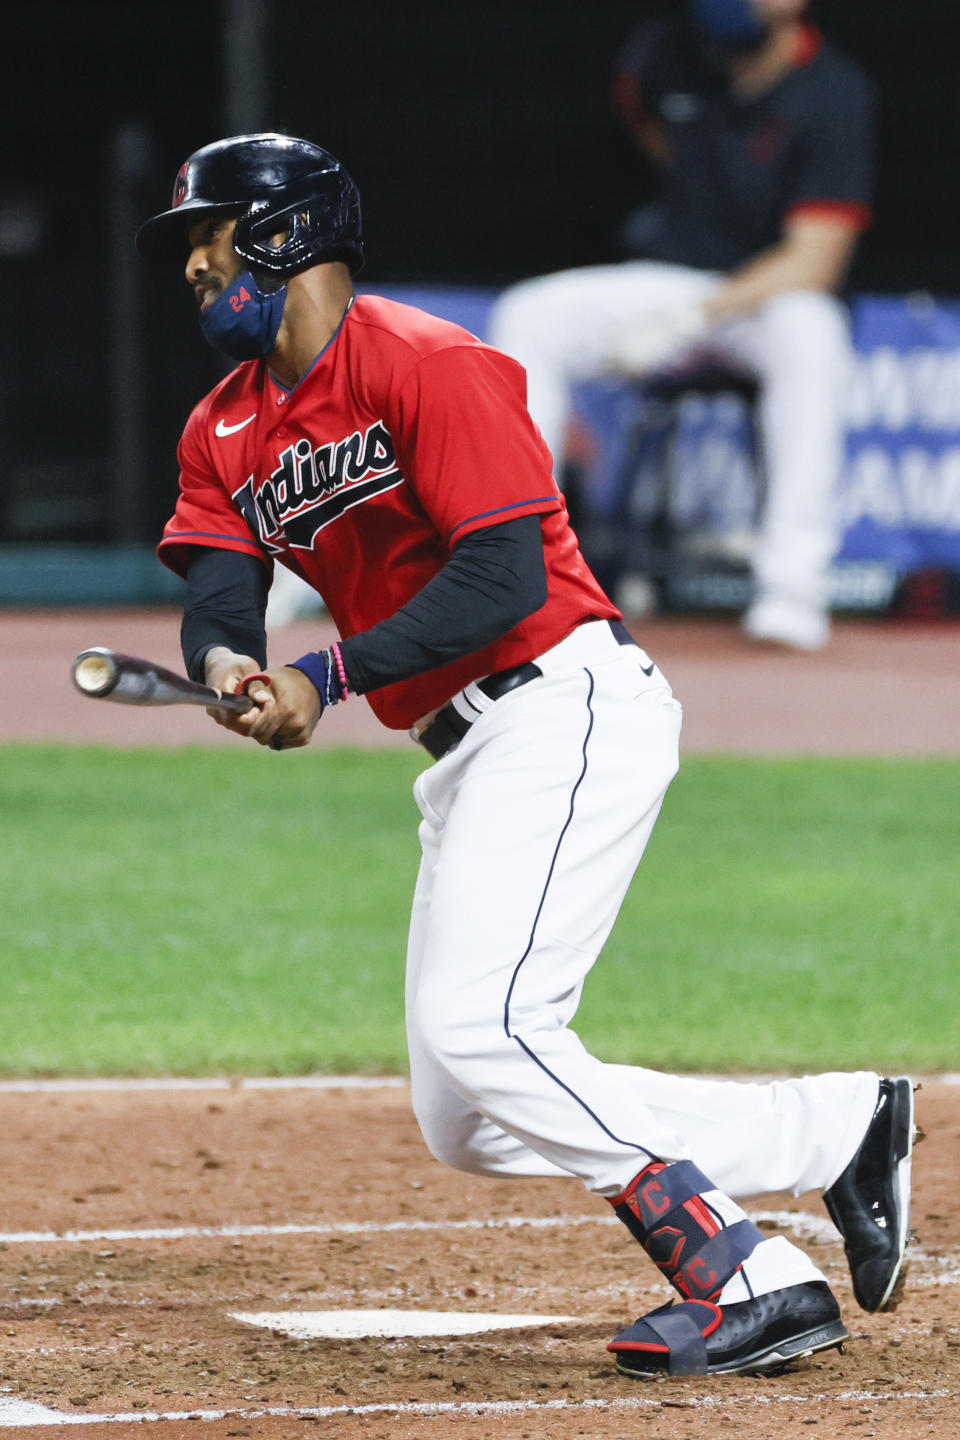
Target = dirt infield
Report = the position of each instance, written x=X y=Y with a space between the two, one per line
x=880 y=687
x=115 y=1305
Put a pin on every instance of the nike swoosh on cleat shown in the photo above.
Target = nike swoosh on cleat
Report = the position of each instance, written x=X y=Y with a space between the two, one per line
x=223 y=429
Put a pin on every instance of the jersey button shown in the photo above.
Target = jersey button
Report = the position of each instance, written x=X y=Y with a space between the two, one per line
x=281 y=430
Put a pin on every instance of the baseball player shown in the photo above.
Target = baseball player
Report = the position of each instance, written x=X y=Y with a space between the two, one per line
x=389 y=458
x=762 y=133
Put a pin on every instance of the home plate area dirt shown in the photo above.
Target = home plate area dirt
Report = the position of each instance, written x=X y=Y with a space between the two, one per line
x=138 y=1223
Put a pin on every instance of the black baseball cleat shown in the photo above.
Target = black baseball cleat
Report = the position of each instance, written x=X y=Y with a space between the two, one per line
x=870 y=1202
x=753 y=1337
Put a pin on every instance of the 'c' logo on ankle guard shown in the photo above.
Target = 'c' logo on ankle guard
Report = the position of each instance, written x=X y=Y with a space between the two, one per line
x=701 y=1280
x=654 y=1197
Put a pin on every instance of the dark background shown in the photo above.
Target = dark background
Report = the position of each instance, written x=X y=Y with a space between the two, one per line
x=483 y=144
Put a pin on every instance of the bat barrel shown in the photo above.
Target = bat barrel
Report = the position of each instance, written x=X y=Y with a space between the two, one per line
x=106 y=675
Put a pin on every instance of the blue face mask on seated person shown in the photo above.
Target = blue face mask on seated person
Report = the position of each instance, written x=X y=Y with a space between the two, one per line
x=244 y=320
x=732 y=22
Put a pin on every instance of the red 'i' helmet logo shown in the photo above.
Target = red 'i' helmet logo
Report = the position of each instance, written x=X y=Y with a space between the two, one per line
x=180 y=186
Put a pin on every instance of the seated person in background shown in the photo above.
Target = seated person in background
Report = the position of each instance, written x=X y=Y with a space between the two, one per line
x=763 y=134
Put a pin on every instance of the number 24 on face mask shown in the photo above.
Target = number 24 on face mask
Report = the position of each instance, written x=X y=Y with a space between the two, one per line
x=243 y=322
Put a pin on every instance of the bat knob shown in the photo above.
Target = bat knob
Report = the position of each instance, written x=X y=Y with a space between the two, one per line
x=95 y=671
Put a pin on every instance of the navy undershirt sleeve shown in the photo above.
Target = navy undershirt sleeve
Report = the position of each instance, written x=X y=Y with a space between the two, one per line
x=226 y=603
x=495 y=578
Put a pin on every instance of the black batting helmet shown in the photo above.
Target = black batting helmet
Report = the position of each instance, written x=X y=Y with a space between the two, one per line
x=275 y=185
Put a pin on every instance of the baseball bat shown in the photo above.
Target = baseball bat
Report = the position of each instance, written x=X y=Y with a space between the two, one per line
x=105 y=675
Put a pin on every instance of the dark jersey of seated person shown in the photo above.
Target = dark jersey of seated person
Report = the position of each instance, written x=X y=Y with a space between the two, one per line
x=743 y=167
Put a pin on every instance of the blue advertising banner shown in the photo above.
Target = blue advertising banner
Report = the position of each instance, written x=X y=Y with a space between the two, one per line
x=899 y=495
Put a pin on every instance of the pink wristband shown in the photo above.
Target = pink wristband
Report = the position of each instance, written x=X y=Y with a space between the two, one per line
x=341 y=672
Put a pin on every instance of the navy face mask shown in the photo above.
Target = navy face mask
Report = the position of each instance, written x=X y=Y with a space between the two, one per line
x=243 y=321
x=734 y=23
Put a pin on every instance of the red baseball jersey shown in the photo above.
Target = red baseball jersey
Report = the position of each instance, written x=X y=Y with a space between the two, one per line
x=406 y=433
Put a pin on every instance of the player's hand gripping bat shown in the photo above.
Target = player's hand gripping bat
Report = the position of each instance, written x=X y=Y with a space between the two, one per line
x=105 y=675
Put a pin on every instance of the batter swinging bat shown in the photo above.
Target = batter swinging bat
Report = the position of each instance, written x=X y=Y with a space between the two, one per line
x=104 y=675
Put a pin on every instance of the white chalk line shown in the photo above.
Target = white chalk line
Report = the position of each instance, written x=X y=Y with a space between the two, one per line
x=927 y=1271
x=133 y=1084
x=809 y=1227
x=14 y=1413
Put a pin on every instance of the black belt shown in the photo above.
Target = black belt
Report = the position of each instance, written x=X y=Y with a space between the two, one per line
x=448 y=727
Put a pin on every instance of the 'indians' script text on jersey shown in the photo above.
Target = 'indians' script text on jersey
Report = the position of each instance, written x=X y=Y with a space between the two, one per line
x=406 y=434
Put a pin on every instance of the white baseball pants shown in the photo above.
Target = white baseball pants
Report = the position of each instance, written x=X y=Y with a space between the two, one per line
x=532 y=830
x=797 y=346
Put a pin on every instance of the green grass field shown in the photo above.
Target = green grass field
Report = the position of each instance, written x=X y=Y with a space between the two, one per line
x=213 y=911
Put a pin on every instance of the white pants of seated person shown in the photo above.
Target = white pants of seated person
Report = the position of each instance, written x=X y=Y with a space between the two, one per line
x=289 y=599
x=797 y=346
x=532 y=830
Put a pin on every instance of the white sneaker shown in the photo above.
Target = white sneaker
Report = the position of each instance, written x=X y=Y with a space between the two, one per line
x=786 y=622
